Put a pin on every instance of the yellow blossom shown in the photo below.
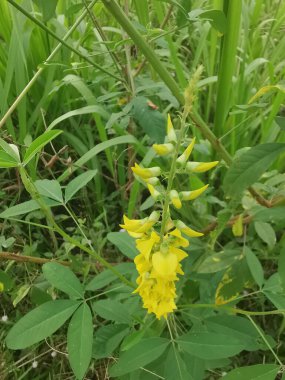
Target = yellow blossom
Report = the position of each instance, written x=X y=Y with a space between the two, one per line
x=185 y=155
x=200 y=167
x=146 y=173
x=171 y=135
x=153 y=192
x=174 y=196
x=190 y=195
x=163 y=149
x=187 y=230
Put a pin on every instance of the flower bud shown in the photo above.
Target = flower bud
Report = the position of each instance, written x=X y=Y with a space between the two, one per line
x=163 y=149
x=153 y=192
x=154 y=216
x=174 y=196
x=200 y=167
x=187 y=230
x=185 y=155
x=145 y=173
x=152 y=181
x=190 y=195
x=171 y=135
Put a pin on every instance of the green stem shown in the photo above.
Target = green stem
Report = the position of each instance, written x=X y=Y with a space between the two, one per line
x=165 y=212
x=230 y=309
x=30 y=187
x=265 y=340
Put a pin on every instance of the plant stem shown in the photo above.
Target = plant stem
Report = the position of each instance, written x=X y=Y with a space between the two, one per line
x=265 y=340
x=172 y=172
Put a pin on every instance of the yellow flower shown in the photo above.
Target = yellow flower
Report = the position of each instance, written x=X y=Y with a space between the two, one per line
x=185 y=155
x=190 y=195
x=171 y=135
x=146 y=173
x=174 y=196
x=165 y=265
x=200 y=167
x=140 y=226
x=145 y=245
x=153 y=192
x=177 y=240
x=163 y=149
x=187 y=230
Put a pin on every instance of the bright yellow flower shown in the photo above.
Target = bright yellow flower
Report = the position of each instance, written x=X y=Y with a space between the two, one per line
x=187 y=230
x=200 y=167
x=140 y=226
x=153 y=192
x=145 y=245
x=163 y=149
x=185 y=155
x=165 y=265
x=146 y=173
x=190 y=195
x=171 y=135
x=174 y=196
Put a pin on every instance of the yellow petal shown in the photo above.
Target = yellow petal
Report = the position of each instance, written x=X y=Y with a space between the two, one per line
x=163 y=149
x=179 y=241
x=170 y=130
x=185 y=155
x=146 y=173
x=174 y=196
x=200 y=167
x=153 y=192
x=164 y=265
x=145 y=245
x=187 y=230
x=190 y=195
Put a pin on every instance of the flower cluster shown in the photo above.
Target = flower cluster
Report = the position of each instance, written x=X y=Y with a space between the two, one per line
x=159 y=260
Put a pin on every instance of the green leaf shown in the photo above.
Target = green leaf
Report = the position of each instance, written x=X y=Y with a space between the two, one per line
x=80 y=340
x=39 y=143
x=77 y=183
x=124 y=242
x=254 y=266
x=175 y=367
x=107 y=339
x=6 y=280
x=128 y=139
x=266 y=233
x=25 y=208
x=210 y=346
x=80 y=111
x=21 y=294
x=47 y=8
x=217 y=19
x=40 y=323
x=7 y=161
x=281 y=122
x=218 y=261
x=143 y=353
x=112 y=310
x=151 y=120
x=281 y=267
x=249 y=166
x=49 y=188
x=11 y=150
x=237 y=327
x=63 y=279
x=107 y=276
x=254 y=372
x=234 y=280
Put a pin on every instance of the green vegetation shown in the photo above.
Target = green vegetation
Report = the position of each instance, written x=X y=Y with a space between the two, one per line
x=86 y=88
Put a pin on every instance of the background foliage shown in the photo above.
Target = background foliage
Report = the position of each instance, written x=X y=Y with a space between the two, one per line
x=106 y=74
